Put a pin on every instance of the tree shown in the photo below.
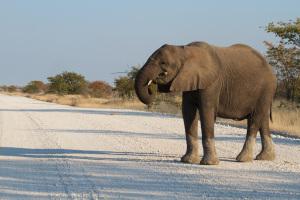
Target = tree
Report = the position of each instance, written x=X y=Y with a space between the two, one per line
x=124 y=85
x=67 y=83
x=285 y=56
x=288 y=32
x=35 y=87
x=100 y=89
x=133 y=72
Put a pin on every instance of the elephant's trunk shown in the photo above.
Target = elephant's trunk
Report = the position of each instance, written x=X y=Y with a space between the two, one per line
x=143 y=81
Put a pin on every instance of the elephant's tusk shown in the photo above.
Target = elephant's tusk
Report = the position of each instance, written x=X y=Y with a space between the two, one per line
x=149 y=83
x=165 y=73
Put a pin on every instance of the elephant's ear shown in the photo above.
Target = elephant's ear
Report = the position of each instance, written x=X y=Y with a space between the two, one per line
x=195 y=75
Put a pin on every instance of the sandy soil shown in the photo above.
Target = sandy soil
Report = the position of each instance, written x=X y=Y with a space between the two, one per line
x=50 y=151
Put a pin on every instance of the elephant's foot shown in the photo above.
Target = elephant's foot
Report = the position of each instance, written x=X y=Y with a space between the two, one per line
x=190 y=158
x=266 y=155
x=210 y=155
x=209 y=160
x=268 y=151
x=245 y=156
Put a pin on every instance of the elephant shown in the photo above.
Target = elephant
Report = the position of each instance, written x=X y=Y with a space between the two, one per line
x=233 y=82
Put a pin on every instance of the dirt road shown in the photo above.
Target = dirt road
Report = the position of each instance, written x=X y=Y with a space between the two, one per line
x=50 y=151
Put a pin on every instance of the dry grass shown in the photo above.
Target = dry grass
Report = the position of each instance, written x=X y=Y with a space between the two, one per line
x=286 y=116
x=88 y=102
x=117 y=103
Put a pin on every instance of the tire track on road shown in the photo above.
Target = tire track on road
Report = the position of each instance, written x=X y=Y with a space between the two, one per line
x=63 y=165
x=1 y=128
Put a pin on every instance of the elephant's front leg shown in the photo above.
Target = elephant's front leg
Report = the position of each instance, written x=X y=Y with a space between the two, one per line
x=190 y=117
x=207 y=116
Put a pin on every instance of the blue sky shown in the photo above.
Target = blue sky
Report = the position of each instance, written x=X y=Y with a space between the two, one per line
x=97 y=38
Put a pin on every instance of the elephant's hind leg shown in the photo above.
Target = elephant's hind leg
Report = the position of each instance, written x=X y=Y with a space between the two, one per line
x=190 y=117
x=267 y=152
x=246 y=155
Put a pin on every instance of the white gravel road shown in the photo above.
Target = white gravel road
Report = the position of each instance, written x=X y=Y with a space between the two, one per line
x=50 y=151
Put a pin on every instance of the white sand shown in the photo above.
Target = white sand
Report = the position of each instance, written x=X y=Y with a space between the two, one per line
x=50 y=151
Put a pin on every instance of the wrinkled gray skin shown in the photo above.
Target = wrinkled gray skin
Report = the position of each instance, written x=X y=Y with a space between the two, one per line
x=232 y=82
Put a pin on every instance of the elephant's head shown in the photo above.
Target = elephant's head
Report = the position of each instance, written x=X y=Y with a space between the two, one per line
x=175 y=68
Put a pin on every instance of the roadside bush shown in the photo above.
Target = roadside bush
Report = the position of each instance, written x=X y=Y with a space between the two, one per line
x=12 y=88
x=100 y=89
x=67 y=83
x=124 y=85
x=35 y=87
x=3 y=88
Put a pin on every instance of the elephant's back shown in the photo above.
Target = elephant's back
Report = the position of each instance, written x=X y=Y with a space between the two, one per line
x=243 y=59
x=242 y=63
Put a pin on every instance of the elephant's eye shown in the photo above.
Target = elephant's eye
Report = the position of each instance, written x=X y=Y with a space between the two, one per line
x=162 y=63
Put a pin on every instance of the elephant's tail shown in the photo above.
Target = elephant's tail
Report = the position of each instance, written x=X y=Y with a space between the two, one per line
x=271 y=118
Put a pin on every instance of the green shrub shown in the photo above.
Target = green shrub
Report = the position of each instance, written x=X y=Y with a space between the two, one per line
x=35 y=87
x=67 y=83
x=124 y=85
x=12 y=88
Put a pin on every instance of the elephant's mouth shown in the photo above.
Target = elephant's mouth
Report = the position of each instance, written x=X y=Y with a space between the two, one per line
x=164 y=88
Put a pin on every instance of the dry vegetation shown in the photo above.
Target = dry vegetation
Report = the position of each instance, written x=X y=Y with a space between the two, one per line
x=88 y=102
x=286 y=116
x=114 y=102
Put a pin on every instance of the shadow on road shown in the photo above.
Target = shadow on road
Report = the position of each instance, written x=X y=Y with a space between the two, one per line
x=95 y=112
x=163 y=135
x=67 y=173
x=240 y=138
x=83 y=154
